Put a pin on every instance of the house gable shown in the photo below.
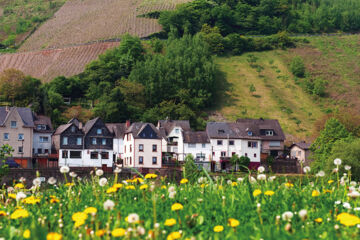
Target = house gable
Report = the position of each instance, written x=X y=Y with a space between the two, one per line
x=72 y=133
x=148 y=133
x=105 y=135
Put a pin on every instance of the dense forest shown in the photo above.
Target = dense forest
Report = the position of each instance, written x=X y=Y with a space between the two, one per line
x=137 y=80
x=253 y=17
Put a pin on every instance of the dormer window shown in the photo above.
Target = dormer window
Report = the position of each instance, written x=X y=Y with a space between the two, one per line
x=221 y=131
x=250 y=133
x=177 y=130
x=13 y=124
x=269 y=133
x=99 y=131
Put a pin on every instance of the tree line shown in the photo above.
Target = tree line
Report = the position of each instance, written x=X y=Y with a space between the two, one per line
x=141 y=81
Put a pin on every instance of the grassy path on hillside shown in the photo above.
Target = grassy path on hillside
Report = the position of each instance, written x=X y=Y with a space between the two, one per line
x=276 y=96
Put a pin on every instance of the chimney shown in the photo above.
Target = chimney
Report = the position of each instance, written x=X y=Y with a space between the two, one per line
x=127 y=124
x=7 y=108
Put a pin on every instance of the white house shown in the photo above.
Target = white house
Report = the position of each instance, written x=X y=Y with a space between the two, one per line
x=142 y=146
x=118 y=130
x=198 y=145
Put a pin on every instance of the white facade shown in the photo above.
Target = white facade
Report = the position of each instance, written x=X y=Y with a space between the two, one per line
x=251 y=149
x=41 y=143
x=177 y=146
x=118 y=147
x=200 y=151
x=142 y=153
x=85 y=158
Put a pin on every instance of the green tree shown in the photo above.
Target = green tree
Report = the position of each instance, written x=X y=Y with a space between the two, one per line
x=5 y=152
x=235 y=161
x=213 y=37
x=10 y=83
x=244 y=162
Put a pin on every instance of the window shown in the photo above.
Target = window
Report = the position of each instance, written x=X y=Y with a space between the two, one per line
x=154 y=160
x=93 y=141
x=219 y=142
x=65 y=154
x=46 y=150
x=39 y=150
x=154 y=148
x=13 y=124
x=103 y=141
x=72 y=128
x=192 y=145
x=130 y=146
x=213 y=154
x=75 y=154
x=141 y=147
x=94 y=155
x=231 y=142
x=233 y=153
x=223 y=154
x=104 y=155
x=99 y=131
x=274 y=144
x=141 y=160
x=203 y=145
x=20 y=150
x=255 y=155
x=78 y=141
x=65 y=140
x=130 y=160
x=250 y=133
x=44 y=139
x=21 y=136
x=41 y=127
x=252 y=144
x=200 y=156
x=6 y=136
x=245 y=154
x=269 y=132
x=177 y=130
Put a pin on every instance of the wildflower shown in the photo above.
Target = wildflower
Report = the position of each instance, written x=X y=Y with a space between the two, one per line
x=64 y=169
x=261 y=177
x=51 y=180
x=150 y=176
x=118 y=185
x=100 y=232
x=103 y=182
x=144 y=187
x=240 y=179
x=133 y=218
x=335 y=170
x=170 y=222
x=118 y=232
x=269 y=193
x=73 y=174
x=12 y=195
x=346 y=205
x=347 y=167
x=163 y=187
x=173 y=236
x=140 y=230
x=261 y=169
x=330 y=181
x=19 y=186
x=320 y=174
x=19 y=213
x=54 y=200
x=20 y=195
x=318 y=220
x=252 y=180
x=229 y=182
x=348 y=219
x=69 y=184
x=289 y=185
x=337 y=161
x=130 y=187
x=111 y=190
x=22 y=179
x=27 y=234
x=31 y=200
x=303 y=214
x=315 y=193
x=287 y=216
x=184 y=180
x=327 y=191
x=234 y=184
x=53 y=236
x=353 y=183
x=307 y=169
x=256 y=192
x=288 y=227
x=176 y=207
x=2 y=213
x=201 y=180
x=37 y=182
x=138 y=180
x=172 y=194
x=271 y=178
x=90 y=210
x=109 y=205
x=171 y=189
x=79 y=216
x=218 y=228
x=233 y=222
x=354 y=194
x=99 y=172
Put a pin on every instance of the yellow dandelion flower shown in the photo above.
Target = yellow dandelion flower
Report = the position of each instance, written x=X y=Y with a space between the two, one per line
x=318 y=220
x=269 y=193
x=220 y=187
x=315 y=193
x=234 y=184
x=53 y=236
x=2 y=213
x=184 y=180
x=90 y=210
x=327 y=191
x=118 y=232
x=289 y=185
x=163 y=187
x=176 y=207
x=218 y=228
x=233 y=222
x=348 y=219
x=31 y=200
x=330 y=181
x=79 y=223
x=131 y=187
x=170 y=222
x=256 y=192
x=118 y=185
x=26 y=234
x=173 y=236
x=12 y=195
x=79 y=216
x=150 y=176
x=144 y=186
x=19 y=185
x=19 y=213
x=100 y=232
x=54 y=200
x=111 y=190
x=69 y=184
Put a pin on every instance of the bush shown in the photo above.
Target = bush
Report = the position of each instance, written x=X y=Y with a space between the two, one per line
x=244 y=161
x=297 y=67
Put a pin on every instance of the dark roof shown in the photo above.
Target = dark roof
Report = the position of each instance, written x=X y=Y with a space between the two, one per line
x=302 y=145
x=137 y=127
x=196 y=137
x=89 y=124
x=43 y=120
x=221 y=130
x=62 y=128
x=75 y=121
x=168 y=125
x=118 y=129
x=25 y=114
x=259 y=126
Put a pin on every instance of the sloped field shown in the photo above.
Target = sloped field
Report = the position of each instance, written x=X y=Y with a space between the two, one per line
x=82 y=21
x=47 y=64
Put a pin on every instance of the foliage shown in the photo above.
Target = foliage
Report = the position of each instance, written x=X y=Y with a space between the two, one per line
x=190 y=169
x=252 y=89
x=297 y=67
x=82 y=114
x=244 y=161
x=5 y=152
x=323 y=145
x=10 y=83
x=235 y=161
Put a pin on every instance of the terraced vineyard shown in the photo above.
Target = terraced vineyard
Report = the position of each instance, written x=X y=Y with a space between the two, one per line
x=82 y=21
x=47 y=64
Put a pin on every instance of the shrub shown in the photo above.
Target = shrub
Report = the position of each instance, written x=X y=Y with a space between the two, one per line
x=297 y=67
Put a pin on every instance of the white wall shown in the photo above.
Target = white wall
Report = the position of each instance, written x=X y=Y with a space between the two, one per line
x=85 y=160
x=251 y=151
x=199 y=149
x=43 y=145
x=225 y=147
x=127 y=154
x=118 y=147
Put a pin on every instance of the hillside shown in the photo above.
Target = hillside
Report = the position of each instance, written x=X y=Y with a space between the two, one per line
x=82 y=21
x=47 y=64
x=333 y=58
x=18 y=18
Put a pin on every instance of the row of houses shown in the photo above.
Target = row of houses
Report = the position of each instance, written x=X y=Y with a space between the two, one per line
x=139 y=145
